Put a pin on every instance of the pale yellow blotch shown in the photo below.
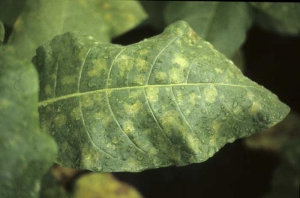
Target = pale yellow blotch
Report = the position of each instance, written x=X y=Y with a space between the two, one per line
x=250 y=96
x=76 y=113
x=99 y=65
x=134 y=108
x=60 y=120
x=125 y=63
x=212 y=141
x=152 y=94
x=106 y=5
x=105 y=118
x=131 y=18
x=86 y=101
x=231 y=74
x=143 y=51
x=139 y=79
x=69 y=79
x=135 y=94
x=256 y=107
x=48 y=89
x=107 y=17
x=210 y=94
x=171 y=121
x=216 y=125
x=128 y=127
x=141 y=64
x=4 y=103
x=192 y=142
x=180 y=60
x=176 y=75
x=192 y=98
x=160 y=76
x=218 y=70
x=18 y=25
x=179 y=98
x=83 y=3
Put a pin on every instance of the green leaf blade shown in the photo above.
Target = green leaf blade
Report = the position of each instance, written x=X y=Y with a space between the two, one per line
x=168 y=100
x=26 y=154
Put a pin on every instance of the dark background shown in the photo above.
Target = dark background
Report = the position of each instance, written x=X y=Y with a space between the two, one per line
x=271 y=60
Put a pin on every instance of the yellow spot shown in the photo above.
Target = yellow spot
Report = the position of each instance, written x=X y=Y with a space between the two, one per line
x=128 y=127
x=179 y=98
x=48 y=89
x=210 y=94
x=139 y=79
x=107 y=17
x=216 y=125
x=250 y=96
x=18 y=25
x=218 y=70
x=125 y=63
x=4 y=103
x=135 y=94
x=134 y=108
x=143 y=51
x=104 y=118
x=86 y=101
x=160 y=76
x=212 y=141
x=171 y=121
x=141 y=64
x=192 y=97
x=180 y=60
x=69 y=79
x=152 y=94
x=60 y=120
x=75 y=114
x=176 y=75
x=83 y=3
x=256 y=107
x=98 y=66
x=106 y=5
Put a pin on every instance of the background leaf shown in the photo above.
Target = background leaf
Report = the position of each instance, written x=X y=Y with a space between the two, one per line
x=286 y=177
x=168 y=100
x=41 y=20
x=10 y=10
x=25 y=153
x=103 y=185
x=223 y=24
x=2 y=33
x=281 y=17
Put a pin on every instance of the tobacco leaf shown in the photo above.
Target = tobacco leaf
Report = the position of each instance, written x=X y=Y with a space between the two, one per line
x=25 y=152
x=168 y=100
x=41 y=20
x=2 y=33
x=223 y=24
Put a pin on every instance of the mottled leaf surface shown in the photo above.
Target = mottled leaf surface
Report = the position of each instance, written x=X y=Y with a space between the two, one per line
x=168 y=100
x=223 y=24
x=281 y=17
x=41 y=20
x=25 y=152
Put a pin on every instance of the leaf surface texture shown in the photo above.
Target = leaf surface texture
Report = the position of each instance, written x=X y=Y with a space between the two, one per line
x=168 y=100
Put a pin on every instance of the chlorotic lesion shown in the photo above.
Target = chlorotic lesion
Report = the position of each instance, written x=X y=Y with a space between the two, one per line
x=69 y=79
x=129 y=127
x=99 y=65
x=134 y=108
x=255 y=108
x=210 y=94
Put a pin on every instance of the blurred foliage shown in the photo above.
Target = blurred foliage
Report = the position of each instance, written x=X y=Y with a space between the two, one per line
x=99 y=185
x=41 y=20
x=285 y=182
x=10 y=10
x=2 y=32
x=281 y=17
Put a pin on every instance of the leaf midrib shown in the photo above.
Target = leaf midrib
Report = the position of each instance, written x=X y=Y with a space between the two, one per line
x=77 y=94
